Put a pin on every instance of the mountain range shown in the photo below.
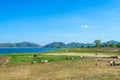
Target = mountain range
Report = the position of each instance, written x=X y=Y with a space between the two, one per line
x=56 y=44
x=21 y=44
x=69 y=45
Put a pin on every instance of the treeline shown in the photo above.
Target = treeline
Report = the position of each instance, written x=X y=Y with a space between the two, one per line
x=111 y=43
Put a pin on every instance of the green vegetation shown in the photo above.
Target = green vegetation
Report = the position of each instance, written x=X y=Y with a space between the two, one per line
x=98 y=43
x=28 y=58
x=87 y=50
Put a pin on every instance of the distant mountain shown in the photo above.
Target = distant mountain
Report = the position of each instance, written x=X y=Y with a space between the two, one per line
x=114 y=42
x=111 y=42
x=77 y=45
x=56 y=45
x=69 y=45
x=22 y=44
x=89 y=44
x=74 y=45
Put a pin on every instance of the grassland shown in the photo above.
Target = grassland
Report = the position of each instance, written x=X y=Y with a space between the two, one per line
x=88 y=50
x=60 y=67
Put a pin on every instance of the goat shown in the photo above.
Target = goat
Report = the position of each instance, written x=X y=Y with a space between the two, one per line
x=44 y=61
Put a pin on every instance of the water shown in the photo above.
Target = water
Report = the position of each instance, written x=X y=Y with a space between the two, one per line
x=23 y=50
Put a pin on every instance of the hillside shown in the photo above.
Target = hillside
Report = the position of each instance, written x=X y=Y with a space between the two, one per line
x=21 y=44
x=78 y=45
x=69 y=45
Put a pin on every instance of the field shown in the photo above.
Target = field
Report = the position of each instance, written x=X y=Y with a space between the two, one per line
x=60 y=67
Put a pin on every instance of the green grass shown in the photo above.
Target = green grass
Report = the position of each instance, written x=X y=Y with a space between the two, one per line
x=86 y=50
x=27 y=58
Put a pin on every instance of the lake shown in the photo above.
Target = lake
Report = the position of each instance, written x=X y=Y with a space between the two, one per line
x=23 y=50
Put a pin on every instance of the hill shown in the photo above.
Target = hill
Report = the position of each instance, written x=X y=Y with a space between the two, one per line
x=21 y=44
x=56 y=45
x=77 y=45
x=69 y=45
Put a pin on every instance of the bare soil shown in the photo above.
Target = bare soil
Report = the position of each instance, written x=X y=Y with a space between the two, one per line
x=63 y=70
x=3 y=60
x=85 y=69
x=81 y=54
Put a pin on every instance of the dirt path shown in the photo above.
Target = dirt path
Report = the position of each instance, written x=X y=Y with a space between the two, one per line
x=81 y=54
x=3 y=60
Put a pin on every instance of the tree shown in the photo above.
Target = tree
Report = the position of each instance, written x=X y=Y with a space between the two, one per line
x=118 y=45
x=98 y=43
x=108 y=44
x=113 y=45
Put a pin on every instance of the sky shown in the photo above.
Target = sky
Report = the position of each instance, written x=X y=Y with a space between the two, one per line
x=46 y=21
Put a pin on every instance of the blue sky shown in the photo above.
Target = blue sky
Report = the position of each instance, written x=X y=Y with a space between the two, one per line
x=46 y=21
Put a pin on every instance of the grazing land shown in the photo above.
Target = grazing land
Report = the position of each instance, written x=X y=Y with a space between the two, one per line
x=63 y=64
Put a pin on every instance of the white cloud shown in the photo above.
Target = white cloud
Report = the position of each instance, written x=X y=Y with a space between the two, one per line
x=84 y=26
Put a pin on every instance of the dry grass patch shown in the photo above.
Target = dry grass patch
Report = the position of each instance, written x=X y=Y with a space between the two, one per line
x=64 y=70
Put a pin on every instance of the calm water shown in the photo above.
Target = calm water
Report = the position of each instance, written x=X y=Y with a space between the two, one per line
x=23 y=50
